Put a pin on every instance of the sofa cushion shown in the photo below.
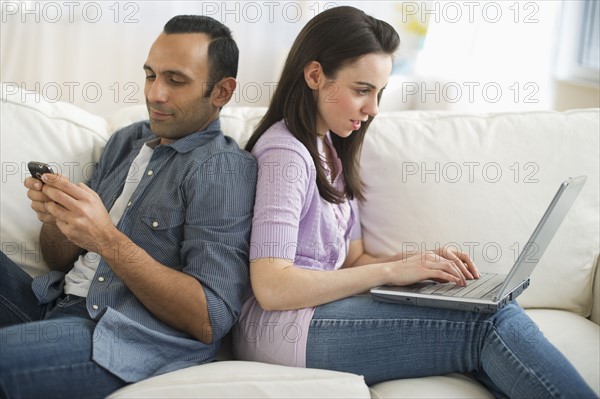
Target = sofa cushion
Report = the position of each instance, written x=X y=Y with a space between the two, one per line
x=71 y=140
x=459 y=386
x=481 y=183
x=238 y=379
x=32 y=129
x=577 y=338
x=477 y=182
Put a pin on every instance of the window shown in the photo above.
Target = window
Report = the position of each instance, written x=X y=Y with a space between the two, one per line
x=589 y=49
x=578 y=57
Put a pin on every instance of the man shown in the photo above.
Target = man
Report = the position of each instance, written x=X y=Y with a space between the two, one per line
x=155 y=247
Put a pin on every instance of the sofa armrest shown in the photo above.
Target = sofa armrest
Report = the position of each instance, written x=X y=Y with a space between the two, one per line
x=595 y=315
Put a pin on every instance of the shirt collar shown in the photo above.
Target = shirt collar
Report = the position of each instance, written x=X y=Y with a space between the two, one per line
x=191 y=141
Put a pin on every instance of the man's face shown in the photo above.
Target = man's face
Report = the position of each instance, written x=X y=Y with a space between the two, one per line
x=176 y=81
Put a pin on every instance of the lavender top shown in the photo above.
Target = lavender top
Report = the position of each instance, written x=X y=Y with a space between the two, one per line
x=293 y=222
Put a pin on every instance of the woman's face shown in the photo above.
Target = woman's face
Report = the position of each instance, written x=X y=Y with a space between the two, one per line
x=347 y=101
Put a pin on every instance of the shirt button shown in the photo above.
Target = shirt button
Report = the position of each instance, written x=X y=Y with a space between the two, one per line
x=95 y=307
x=129 y=203
x=150 y=173
x=101 y=279
x=155 y=224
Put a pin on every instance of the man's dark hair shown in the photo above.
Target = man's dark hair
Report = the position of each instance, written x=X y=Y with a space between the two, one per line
x=223 y=52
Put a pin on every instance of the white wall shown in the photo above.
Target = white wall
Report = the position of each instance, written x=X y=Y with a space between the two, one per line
x=91 y=53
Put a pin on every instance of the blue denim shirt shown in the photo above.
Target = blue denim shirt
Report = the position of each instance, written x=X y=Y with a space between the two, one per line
x=192 y=211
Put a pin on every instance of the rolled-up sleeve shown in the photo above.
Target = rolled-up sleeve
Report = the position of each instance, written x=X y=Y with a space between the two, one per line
x=220 y=197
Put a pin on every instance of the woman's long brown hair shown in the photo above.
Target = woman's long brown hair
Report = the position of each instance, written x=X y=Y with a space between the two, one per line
x=335 y=38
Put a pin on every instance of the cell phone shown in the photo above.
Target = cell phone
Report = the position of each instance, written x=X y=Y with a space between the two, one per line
x=37 y=169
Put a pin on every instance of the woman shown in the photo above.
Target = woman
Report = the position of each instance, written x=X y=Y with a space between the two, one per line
x=307 y=256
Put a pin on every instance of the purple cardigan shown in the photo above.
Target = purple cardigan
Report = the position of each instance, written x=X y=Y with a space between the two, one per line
x=293 y=222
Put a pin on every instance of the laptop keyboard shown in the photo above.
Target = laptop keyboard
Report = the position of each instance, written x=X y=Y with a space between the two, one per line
x=486 y=284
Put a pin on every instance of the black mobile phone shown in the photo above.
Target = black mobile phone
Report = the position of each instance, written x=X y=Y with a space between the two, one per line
x=37 y=169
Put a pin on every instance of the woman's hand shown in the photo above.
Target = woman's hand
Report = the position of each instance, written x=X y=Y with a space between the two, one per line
x=442 y=265
x=461 y=260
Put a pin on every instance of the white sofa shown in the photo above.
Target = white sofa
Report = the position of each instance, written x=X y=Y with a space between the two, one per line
x=480 y=182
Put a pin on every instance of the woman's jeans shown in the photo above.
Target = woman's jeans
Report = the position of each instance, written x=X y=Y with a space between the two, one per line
x=383 y=341
x=46 y=350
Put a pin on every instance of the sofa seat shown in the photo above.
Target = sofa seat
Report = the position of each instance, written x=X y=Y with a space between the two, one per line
x=229 y=378
x=235 y=379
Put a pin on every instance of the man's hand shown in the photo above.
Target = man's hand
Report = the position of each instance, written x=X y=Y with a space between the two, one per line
x=78 y=212
x=58 y=251
x=82 y=218
x=38 y=200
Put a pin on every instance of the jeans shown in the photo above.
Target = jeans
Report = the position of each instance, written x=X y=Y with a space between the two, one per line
x=505 y=351
x=46 y=350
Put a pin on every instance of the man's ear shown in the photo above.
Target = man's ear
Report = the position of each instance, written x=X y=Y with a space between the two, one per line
x=313 y=75
x=223 y=91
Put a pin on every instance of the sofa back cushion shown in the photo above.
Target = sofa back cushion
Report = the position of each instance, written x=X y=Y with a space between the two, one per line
x=71 y=141
x=475 y=182
x=481 y=183
x=33 y=129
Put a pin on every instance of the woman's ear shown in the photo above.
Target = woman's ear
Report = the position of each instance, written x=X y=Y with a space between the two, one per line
x=313 y=75
x=223 y=91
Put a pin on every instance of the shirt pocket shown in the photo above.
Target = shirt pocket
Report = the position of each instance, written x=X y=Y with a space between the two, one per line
x=161 y=233
x=162 y=218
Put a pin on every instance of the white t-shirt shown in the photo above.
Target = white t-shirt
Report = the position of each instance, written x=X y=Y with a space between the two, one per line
x=78 y=280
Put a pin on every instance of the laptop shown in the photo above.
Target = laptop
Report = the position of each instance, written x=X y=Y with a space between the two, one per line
x=491 y=291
